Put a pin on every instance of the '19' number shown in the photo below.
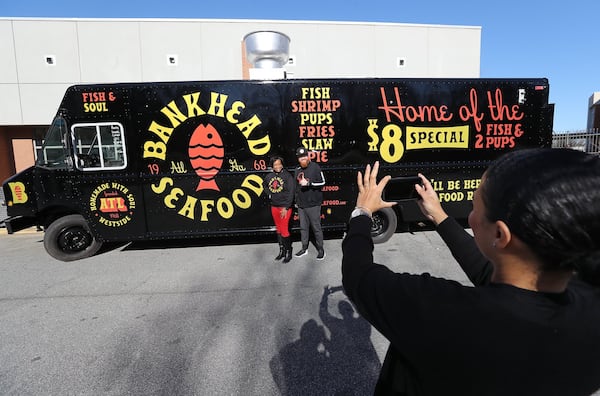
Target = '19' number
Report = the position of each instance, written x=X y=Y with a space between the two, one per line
x=154 y=169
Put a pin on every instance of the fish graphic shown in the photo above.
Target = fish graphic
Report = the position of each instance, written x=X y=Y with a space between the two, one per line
x=206 y=155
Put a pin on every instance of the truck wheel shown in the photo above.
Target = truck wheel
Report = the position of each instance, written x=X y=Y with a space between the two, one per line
x=69 y=238
x=384 y=225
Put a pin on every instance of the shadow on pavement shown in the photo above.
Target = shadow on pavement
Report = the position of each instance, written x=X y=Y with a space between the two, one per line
x=345 y=363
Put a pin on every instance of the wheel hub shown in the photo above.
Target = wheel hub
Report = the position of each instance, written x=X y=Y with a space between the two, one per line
x=74 y=239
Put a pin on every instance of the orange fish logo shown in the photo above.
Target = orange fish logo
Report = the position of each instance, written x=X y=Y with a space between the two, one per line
x=206 y=156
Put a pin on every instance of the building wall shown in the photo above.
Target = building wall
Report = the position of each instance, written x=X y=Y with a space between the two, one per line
x=594 y=112
x=42 y=57
x=12 y=141
x=45 y=56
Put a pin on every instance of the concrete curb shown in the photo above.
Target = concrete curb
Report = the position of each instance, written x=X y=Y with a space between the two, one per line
x=30 y=230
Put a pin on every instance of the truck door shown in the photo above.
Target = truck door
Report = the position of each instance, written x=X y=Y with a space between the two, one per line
x=109 y=192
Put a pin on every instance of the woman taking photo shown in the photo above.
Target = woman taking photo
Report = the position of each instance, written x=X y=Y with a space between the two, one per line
x=530 y=325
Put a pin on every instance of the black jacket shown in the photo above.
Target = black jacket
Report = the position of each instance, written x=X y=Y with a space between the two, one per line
x=280 y=188
x=311 y=195
x=491 y=339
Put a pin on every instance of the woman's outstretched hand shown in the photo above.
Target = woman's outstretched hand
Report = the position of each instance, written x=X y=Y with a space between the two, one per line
x=430 y=203
x=369 y=191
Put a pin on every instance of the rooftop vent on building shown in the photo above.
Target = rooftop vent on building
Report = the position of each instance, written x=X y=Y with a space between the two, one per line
x=267 y=52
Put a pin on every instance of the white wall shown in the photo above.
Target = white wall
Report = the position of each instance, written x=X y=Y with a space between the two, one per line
x=109 y=50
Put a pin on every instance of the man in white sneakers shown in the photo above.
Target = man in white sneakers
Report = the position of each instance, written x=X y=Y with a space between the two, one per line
x=309 y=198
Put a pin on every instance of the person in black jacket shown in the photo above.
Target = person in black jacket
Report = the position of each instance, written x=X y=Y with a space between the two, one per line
x=527 y=326
x=309 y=198
x=280 y=187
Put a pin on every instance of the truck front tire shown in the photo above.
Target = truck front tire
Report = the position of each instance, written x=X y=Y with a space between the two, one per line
x=69 y=238
x=384 y=225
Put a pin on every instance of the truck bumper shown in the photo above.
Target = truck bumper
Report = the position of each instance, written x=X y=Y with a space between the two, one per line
x=15 y=224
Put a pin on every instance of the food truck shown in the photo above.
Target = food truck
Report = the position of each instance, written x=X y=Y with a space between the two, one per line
x=150 y=161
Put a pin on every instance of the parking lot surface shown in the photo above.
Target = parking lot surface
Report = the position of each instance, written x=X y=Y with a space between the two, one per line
x=180 y=318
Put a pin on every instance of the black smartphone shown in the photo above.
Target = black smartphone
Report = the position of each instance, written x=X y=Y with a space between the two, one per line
x=401 y=188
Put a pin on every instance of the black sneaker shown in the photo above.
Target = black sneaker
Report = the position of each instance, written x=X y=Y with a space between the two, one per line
x=321 y=254
x=302 y=252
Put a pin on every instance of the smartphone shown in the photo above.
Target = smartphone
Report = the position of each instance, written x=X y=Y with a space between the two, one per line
x=401 y=188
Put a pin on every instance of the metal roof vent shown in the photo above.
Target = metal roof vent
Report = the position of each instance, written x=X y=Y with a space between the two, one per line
x=268 y=52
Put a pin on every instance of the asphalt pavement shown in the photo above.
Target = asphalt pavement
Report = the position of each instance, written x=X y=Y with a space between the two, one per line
x=209 y=317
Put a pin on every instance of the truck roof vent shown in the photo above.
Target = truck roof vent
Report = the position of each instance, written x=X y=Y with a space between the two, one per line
x=268 y=52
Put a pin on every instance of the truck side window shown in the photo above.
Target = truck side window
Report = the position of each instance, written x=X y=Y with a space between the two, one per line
x=99 y=146
x=53 y=153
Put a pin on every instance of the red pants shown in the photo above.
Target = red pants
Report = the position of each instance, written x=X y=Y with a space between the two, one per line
x=281 y=223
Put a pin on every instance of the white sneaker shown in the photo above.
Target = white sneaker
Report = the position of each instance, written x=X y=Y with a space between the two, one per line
x=321 y=255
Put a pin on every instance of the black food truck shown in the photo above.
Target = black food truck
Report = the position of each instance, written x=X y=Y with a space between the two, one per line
x=148 y=161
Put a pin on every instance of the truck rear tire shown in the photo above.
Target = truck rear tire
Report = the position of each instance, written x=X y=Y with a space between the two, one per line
x=384 y=225
x=69 y=238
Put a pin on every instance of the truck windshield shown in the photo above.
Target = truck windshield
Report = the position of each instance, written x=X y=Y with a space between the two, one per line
x=54 y=152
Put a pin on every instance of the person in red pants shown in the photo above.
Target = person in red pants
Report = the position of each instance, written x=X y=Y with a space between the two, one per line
x=279 y=185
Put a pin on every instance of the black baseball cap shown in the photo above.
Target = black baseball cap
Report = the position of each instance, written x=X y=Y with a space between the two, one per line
x=301 y=152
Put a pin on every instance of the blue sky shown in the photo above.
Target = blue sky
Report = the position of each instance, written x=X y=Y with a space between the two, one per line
x=519 y=38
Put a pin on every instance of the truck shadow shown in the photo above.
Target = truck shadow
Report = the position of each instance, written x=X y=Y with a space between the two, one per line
x=205 y=241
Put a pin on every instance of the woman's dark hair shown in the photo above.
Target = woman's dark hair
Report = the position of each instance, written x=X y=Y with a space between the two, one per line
x=275 y=158
x=550 y=199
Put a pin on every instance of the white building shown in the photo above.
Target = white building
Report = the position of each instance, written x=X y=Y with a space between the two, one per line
x=594 y=112
x=42 y=57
